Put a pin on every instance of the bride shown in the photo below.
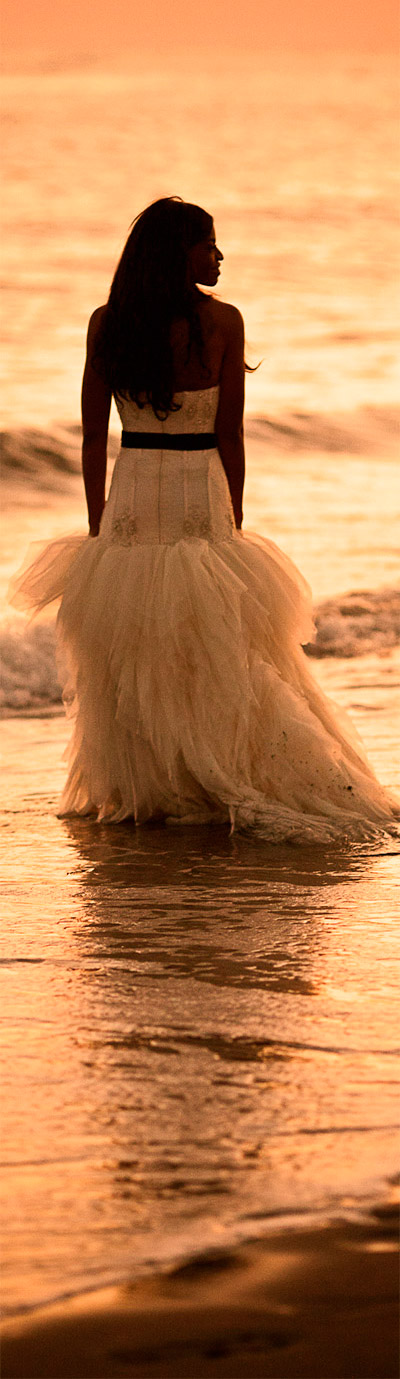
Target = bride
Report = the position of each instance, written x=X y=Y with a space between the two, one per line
x=180 y=637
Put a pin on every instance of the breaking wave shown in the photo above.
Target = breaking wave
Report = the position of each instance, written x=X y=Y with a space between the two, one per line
x=348 y=626
x=28 y=679
x=356 y=624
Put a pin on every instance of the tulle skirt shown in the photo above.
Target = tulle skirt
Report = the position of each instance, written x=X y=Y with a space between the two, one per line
x=182 y=665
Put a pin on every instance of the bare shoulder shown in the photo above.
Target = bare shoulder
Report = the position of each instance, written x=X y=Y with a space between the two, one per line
x=96 y=320
x=230 y=314
x=228 y=318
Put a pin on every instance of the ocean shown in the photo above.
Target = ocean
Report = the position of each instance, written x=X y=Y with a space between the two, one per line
x=200 y=1031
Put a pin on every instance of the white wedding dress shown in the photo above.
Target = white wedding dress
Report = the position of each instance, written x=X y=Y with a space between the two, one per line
x=181 y=640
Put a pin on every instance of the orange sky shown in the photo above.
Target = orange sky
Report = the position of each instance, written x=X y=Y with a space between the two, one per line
x=73 y=26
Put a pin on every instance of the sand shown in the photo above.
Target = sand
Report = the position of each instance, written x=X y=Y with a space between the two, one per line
x=313 y=1303
x=310 y=1304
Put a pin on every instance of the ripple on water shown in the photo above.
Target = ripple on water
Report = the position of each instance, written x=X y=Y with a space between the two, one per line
x=204 y=1029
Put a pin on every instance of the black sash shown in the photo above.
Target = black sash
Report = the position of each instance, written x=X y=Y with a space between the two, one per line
x=169 y=440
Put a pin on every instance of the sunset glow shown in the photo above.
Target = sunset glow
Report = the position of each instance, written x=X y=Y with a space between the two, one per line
x=307 y=25
x=200 y=1022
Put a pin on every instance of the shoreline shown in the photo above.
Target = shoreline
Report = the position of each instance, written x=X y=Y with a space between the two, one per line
x=304 y=1303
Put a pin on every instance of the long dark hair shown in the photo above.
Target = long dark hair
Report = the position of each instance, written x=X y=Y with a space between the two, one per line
x=149 y=291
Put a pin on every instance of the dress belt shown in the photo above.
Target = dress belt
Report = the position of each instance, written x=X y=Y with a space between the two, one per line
x=169 y=440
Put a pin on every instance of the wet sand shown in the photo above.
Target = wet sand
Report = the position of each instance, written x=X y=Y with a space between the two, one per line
x=286 y=1040
x=321 y=1302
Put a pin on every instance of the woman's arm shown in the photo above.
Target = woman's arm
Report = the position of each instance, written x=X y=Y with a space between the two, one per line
x=229 y=420
x=96 y=404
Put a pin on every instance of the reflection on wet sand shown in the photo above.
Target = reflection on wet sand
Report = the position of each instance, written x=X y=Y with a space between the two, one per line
x=209 y=966
x=205 y=905
x=205 y=1027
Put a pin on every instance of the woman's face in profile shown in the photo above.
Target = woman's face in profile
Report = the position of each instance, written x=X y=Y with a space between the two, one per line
x=204 y=260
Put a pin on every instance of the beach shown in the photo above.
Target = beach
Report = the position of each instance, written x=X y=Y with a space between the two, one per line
x=200 y=1090
x=299 y=1304
x=200 y=1059
x=200 y=1029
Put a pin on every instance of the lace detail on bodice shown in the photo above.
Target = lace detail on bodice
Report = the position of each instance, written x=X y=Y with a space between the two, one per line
x=196 y=412
x=161 y=496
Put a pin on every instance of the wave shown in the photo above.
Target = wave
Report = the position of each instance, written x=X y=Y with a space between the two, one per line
x=365 y=431
x=347 y=626
x=357 y=624
x=28 y=671
x=49 y=457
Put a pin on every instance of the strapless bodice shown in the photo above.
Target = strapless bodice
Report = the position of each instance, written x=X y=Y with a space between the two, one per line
x=196 y=411
x=159 y=495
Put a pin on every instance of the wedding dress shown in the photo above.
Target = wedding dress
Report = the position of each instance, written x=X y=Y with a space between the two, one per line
x=181 y=655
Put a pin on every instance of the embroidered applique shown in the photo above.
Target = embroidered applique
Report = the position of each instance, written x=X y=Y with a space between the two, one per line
x=197 y=523
x=123 y=530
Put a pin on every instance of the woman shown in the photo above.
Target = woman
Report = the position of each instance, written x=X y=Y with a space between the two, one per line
x=182 y=637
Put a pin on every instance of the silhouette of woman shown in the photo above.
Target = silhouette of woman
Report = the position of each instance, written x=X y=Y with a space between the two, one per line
x=182 y=636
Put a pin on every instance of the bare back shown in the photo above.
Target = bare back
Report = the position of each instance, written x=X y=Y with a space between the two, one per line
x=192 y=373
x=222 y=364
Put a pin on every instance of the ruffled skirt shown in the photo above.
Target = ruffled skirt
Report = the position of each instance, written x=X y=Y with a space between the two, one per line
x=192 y=698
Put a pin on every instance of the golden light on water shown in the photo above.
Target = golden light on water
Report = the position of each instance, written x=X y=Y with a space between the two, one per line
x=200 y=1031
x=303 y=25
x=197 y=1031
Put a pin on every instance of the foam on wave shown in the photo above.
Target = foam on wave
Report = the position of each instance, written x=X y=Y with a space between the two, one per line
x=348 y=626
x=356 y=624
x=28 y=681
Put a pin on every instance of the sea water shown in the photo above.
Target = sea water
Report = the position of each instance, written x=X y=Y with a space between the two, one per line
x=200 y=1031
